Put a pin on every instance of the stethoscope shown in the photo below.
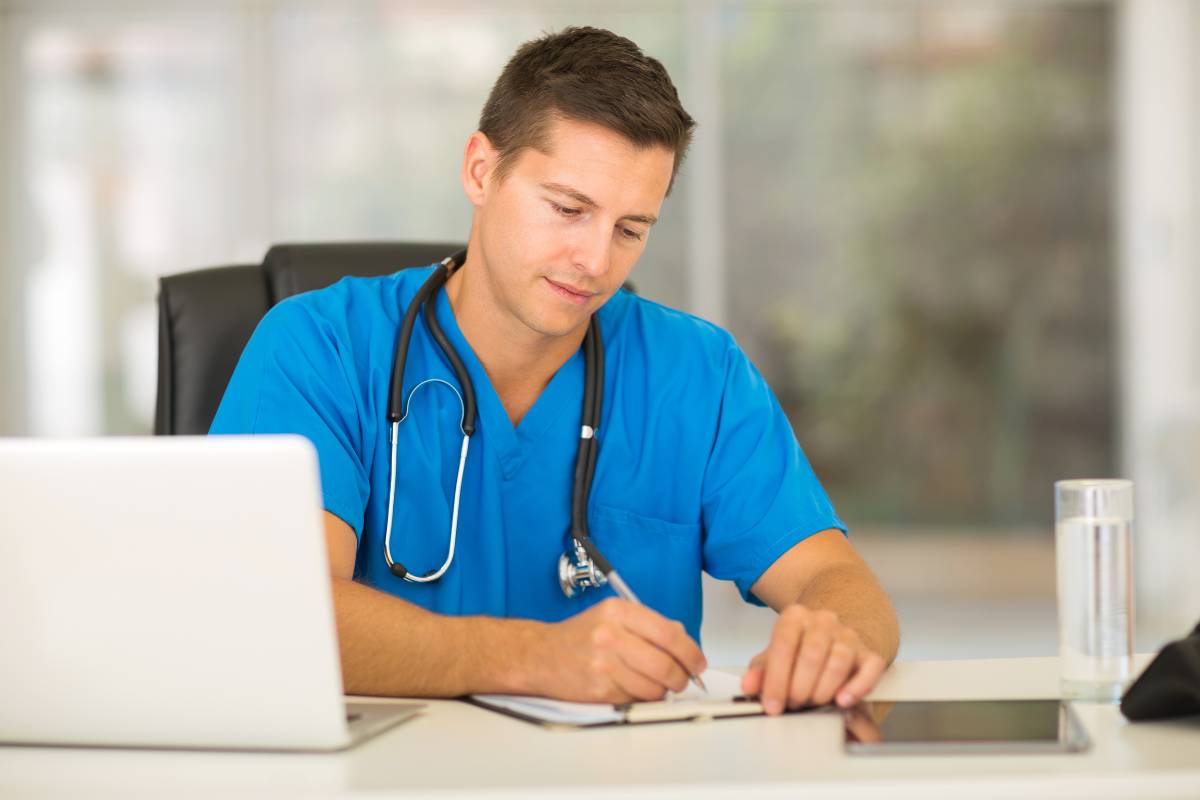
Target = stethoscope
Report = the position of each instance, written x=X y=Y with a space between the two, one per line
x=582 y=565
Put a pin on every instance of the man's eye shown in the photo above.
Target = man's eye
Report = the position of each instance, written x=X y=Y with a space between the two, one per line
x=630 y=233
x=565 y=211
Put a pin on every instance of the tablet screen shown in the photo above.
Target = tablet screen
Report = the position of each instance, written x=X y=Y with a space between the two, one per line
x=970 y=725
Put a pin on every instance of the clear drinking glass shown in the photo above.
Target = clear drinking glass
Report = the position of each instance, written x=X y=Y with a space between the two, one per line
x=1094 y=552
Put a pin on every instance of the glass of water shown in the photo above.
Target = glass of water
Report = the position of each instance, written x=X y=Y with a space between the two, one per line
x=1094 y=552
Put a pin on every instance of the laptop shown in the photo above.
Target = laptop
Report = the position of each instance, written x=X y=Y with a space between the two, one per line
x=170 y=592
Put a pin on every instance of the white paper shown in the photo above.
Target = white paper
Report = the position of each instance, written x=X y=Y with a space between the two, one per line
x=722 y=687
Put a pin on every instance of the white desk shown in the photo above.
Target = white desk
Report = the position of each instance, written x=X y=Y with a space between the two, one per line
x=457 y=750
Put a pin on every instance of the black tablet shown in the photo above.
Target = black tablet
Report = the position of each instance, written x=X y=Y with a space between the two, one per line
x=964 y=726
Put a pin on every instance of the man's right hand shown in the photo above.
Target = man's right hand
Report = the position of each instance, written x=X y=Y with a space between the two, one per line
x=617 y=652
x=614 y=652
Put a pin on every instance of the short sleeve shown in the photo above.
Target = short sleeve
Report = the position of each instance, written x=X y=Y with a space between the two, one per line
x=296 y=376
x=760 y=494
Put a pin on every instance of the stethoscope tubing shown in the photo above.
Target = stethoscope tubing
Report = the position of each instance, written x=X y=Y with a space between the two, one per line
x=585 y=455
x=462 y=461
x=428 y=290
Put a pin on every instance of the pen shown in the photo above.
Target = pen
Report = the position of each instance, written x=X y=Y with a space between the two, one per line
x=625 y=593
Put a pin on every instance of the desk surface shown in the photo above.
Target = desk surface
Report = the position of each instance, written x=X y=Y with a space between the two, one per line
x=456 y=749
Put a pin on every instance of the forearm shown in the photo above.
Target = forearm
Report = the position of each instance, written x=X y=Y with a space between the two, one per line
x=853 y=593
x=390 y=647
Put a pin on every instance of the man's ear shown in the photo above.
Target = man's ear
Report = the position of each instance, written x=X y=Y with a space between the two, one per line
x=479 y=163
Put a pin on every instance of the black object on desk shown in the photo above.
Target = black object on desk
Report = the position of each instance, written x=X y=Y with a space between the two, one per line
x=1170 y=686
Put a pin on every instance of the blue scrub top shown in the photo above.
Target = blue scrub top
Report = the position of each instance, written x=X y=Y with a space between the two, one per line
x=698 y=467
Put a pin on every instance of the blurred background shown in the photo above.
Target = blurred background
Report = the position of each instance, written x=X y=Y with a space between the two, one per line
x=959 y=239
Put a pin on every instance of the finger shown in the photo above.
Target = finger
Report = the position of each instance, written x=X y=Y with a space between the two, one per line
x=665 y=633
x=633 y=683
x=810 y=662
x=838 y=666
x=652 y=663
x=752 y=678
x=781 y=656
x=870 y=669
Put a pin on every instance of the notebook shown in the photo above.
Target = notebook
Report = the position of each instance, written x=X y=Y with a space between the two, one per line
x=723 y=699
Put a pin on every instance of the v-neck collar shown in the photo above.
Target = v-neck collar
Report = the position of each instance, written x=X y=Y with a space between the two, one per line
x=563 y=396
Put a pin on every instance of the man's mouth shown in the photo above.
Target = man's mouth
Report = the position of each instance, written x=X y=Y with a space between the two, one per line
x=570 y=293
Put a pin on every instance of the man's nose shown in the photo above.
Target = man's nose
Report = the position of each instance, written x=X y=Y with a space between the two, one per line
x=593 y=249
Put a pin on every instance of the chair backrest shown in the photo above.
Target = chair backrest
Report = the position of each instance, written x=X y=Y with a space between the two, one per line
x=206 y=316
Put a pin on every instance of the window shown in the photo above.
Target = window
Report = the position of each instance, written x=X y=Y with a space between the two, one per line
x=920 y=246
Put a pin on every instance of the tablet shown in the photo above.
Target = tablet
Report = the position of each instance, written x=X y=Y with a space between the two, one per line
x=963 y=726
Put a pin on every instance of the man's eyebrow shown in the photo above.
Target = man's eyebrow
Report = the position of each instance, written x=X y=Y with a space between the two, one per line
x=583 y=199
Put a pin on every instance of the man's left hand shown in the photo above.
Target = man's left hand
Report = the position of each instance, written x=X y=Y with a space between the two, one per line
x=813 y=659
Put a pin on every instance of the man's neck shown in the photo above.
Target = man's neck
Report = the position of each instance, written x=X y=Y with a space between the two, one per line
x=519 y=361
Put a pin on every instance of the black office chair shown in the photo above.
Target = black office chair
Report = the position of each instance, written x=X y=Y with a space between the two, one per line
x=205 y=317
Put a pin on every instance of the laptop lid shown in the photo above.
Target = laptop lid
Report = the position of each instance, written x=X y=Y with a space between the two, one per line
x=166 y=592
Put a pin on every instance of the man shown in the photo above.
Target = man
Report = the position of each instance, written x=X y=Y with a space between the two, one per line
x=698 y=468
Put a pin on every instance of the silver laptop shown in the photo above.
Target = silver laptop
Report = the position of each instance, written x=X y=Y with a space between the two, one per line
x=170 y=592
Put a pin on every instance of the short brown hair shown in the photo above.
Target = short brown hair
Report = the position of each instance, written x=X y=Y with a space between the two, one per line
x=586 y=75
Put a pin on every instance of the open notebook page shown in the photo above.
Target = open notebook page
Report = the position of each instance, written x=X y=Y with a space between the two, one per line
x=722 y=688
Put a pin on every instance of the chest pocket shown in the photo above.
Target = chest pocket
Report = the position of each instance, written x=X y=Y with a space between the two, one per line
x=660 y=560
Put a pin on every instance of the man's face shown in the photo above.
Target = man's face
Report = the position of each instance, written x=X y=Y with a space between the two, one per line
x=561 y=231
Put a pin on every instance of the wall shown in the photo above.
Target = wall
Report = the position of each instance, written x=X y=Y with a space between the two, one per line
x=1159 y=213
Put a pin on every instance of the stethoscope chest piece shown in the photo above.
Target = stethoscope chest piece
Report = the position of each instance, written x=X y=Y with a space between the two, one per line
x=576 y=575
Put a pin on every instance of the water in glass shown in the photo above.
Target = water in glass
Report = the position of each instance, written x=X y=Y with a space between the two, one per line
x=1095 y=606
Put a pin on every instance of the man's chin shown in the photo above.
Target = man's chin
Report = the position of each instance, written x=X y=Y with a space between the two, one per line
x=557 y=326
